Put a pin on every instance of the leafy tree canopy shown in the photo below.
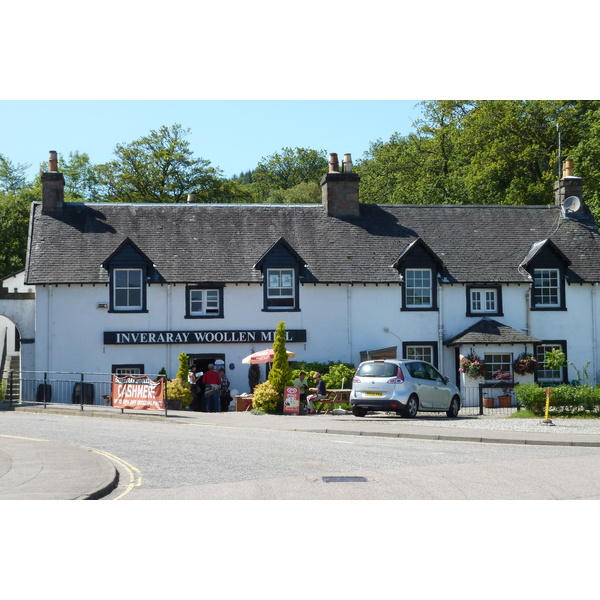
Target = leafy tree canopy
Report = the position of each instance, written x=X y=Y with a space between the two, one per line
x=288 y=168
x=159 y=167
x=485 y=152
x=12 y=177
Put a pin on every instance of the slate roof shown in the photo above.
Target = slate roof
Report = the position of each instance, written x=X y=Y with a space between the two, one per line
x=222 y=243
x=489 y=331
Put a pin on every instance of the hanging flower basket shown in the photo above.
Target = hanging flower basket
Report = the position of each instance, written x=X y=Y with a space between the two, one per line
x=525 y=364
x=472 y=366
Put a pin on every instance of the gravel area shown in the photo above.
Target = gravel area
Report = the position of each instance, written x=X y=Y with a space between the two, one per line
x=577 y=426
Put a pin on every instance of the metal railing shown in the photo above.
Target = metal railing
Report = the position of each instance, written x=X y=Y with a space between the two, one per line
x=57 y=388
x=489 y=399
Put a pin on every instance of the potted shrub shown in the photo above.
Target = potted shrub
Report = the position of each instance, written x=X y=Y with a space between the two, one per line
x=505 y=378
x=488 y=402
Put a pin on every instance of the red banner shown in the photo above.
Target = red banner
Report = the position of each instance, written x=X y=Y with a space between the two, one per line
x=291 y=400
x=138 y=391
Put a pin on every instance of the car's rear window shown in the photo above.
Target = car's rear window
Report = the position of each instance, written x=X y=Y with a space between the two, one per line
x=377 y=370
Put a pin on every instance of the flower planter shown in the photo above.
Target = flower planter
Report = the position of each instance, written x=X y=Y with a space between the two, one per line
x=174 y=404
x=504 y=401
x=488 y=402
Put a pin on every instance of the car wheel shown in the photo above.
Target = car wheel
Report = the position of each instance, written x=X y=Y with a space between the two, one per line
x=412 y=406
x=454 y=407
x=358 y=411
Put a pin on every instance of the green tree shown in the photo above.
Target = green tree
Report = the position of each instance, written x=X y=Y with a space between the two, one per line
x=14 y=224
x=12 y=177
x=288 y=168
x=486 y=152
x=586 y=156
x=307 y=192
x=279 y=375
x=159 y=167
x=81 y=177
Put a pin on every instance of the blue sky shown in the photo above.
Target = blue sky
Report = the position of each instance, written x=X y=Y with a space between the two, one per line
x=232 y=135
x=251 y=78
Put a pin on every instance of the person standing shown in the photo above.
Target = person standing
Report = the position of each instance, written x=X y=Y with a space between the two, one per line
x=193 y=381
x=225 y=396
x=212 y=389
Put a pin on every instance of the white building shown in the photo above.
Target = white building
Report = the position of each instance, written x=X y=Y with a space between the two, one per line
x=127 y=288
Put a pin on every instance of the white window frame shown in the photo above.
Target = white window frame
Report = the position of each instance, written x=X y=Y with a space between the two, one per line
x=207 y=305
x=281 y=286
x=122 y=371
x=484 y=300
x=128 y=288
x=546 y=288
x=420 y=353
x=418 y=288
x=544 y=375
x=497 y=361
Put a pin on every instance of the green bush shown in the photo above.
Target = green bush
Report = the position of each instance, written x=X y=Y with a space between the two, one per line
x=531 y=396
x=279 y=375
x=180 y=390
x=563 y=397
x=339 y=374
x=265 y=398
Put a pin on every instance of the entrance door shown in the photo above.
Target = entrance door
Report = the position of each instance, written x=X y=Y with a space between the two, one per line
x=203 y=360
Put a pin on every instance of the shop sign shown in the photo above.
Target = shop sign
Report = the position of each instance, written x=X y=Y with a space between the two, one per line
x=141 y=392
x=201 y=337
x=291 y=400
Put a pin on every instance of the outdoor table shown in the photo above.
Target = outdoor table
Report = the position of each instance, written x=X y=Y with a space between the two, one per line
x=243 y=403
x=332 y=398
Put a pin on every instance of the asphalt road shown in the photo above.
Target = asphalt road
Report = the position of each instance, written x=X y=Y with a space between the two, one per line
x=161 y=460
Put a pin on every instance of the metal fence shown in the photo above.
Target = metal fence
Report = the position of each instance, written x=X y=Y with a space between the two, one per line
x=56 y=388
x=27 y=387
x=489 y=399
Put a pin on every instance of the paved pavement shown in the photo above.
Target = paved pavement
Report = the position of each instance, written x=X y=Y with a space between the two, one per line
x=32 y=469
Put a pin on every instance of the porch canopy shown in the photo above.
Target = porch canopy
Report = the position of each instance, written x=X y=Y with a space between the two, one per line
x=489 y=331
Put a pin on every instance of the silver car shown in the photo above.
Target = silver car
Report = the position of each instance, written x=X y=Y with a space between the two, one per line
x=404 y=387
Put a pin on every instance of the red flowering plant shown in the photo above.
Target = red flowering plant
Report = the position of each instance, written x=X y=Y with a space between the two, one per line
x=525 y=363
x=472 y=366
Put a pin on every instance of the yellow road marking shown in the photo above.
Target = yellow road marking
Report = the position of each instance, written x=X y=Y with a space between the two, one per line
x=135 y=475
x=19 y=437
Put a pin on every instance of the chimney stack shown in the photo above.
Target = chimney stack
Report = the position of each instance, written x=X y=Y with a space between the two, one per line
x=191 y=198
x=569 y=185
x=339 y=191
x=53 y=186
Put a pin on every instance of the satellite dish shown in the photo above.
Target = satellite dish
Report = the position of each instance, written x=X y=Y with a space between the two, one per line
x=572 y=204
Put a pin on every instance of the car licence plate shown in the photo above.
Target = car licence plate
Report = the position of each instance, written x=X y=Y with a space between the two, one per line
x=373 y=394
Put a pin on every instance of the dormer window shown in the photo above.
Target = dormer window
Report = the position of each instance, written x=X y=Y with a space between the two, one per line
x=129 y=271
x=546 y=288
x=419 y=269
x=547 y=266
x=282 y=269
x=280 y=288
x=418 y=284
x=127 y=289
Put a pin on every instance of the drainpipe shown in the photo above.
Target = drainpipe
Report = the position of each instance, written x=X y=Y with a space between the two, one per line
x=440 y=329
x=594 y=333
x=528 y=309
x=349 y=320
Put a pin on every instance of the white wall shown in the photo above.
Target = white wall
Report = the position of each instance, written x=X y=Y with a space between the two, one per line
x=341 y=321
